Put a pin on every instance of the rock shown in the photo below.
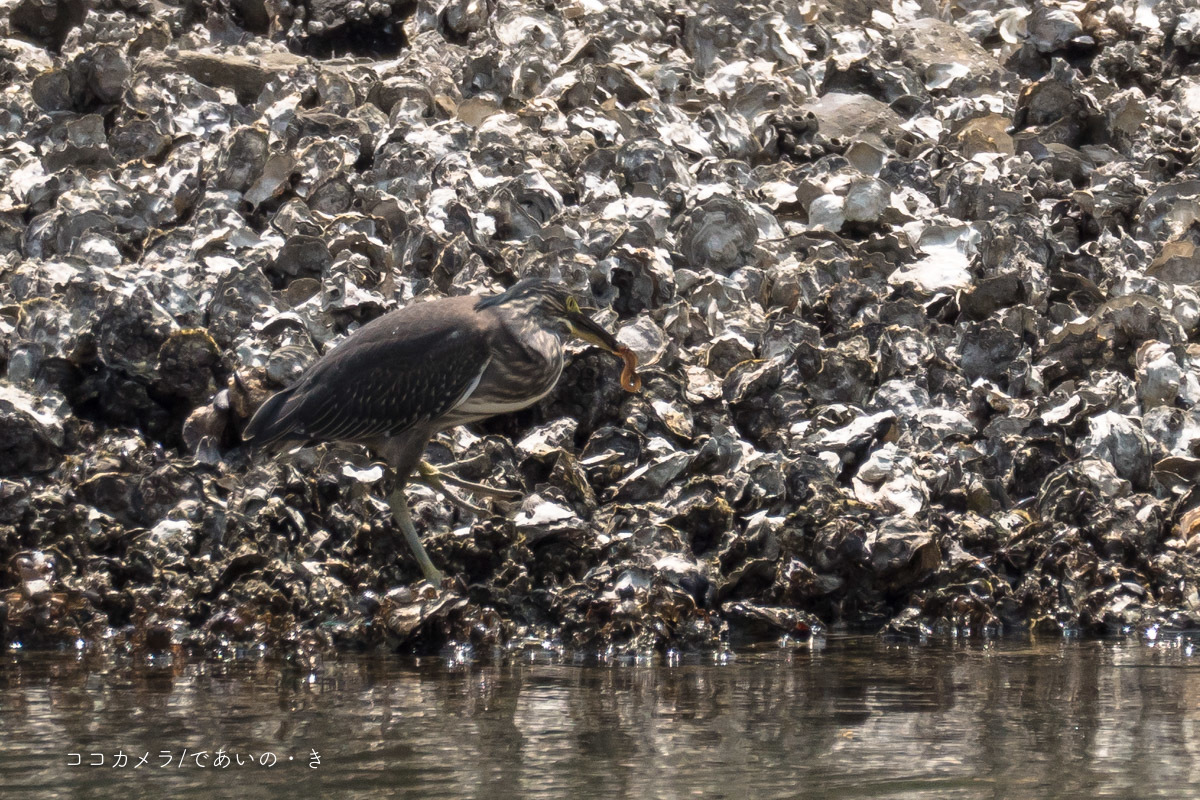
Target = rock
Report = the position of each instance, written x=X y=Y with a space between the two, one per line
x=857 y=118
x=946 y=56
x=914 y=298
x=245 y=76
x=31 y=432
x=47 y=22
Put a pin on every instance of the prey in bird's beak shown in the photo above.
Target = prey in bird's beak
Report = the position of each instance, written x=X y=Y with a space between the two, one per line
x=585 y=328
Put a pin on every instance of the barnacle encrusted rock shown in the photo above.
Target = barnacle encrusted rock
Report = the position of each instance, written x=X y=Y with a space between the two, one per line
x=913 y=298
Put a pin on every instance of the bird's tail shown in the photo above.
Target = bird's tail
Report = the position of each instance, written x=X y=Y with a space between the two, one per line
x=271 y=422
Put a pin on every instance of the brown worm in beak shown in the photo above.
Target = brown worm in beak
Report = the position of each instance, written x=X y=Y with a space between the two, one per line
x=630 y=380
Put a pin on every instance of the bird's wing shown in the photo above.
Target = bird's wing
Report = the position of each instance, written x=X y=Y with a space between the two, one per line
x=380 y=385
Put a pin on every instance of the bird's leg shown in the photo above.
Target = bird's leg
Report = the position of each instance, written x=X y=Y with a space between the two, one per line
x=428 y=472
x=398 y=502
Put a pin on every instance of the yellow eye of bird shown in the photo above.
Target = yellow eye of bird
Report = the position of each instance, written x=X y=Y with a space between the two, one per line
x=572 y=305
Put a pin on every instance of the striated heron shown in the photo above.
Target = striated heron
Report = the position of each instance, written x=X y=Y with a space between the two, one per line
x=401 y=378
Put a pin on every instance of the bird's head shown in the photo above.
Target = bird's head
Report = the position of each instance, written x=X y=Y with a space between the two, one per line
x=551 y=306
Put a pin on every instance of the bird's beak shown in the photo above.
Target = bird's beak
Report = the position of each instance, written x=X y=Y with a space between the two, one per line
x=583 y=327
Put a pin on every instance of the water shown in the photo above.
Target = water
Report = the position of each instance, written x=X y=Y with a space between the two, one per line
x=857 y=718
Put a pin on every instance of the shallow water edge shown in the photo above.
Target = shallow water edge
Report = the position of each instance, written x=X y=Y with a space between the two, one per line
x=856 y=717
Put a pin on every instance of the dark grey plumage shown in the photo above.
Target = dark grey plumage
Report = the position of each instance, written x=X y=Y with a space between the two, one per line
x=402 y=369
x=401 y=378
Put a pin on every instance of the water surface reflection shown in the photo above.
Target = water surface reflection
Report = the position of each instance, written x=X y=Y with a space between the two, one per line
x=858 y=718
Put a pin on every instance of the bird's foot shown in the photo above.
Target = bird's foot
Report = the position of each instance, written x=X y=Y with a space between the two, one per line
x=437 y=479
x=460 y=502
x=434 y=480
